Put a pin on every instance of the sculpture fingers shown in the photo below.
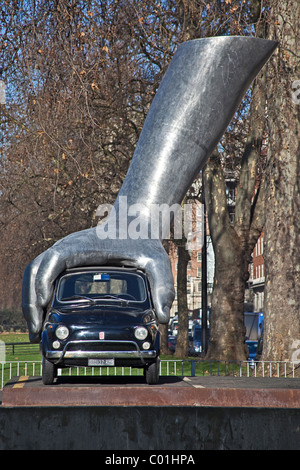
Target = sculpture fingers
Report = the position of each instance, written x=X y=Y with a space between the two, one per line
x=86 y=249
x=159 y=273
x=32 y=311
x=77 y=249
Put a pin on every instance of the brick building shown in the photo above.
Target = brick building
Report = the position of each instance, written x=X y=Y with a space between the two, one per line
x=257 y=275
x=194 y=268
x=254 y=295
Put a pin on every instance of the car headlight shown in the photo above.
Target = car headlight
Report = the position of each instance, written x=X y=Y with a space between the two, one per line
x=62 y=332
x=141 y=333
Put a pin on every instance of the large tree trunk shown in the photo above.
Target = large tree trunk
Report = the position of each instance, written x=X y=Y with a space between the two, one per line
x=282 y=229
x=233 y=244
x=227 y=331
x=183 y=316
x=164 y=349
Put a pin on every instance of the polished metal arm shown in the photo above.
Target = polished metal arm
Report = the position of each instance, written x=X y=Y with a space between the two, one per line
x=198 y=96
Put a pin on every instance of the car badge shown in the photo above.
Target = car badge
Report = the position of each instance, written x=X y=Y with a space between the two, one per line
x=101 y=335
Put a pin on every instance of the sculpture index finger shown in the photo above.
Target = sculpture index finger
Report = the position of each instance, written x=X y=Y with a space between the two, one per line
x=32 y=311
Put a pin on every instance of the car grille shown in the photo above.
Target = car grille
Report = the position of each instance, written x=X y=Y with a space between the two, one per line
x=103 y=346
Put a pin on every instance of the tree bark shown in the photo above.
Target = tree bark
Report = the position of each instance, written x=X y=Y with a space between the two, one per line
x=183 y=315
x=227 y=331
x=282 y=229
x=233 y=244
x=163 y=339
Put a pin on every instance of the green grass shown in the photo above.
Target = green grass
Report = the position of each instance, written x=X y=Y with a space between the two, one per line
x=20 y=353
x=14 y=337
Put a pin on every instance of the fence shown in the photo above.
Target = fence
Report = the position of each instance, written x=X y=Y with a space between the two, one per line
x=168 y=367
x=21 y=348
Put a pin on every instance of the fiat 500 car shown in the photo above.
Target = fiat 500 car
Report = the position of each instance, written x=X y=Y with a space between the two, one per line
x=101 y=317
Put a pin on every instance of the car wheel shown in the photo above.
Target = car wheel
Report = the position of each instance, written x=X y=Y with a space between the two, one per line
x=48 y=372
x=152 y=372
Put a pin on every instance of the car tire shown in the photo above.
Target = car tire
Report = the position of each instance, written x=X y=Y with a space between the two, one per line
x=48 y=372
x=152 y=372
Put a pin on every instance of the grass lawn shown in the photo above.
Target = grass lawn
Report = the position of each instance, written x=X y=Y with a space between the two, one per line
x=14 y=337
x=20 y=352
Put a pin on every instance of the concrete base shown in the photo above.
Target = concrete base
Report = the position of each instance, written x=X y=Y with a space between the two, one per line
x=178 y=415
x=148 y=428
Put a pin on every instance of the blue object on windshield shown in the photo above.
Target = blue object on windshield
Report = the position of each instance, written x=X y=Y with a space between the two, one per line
x=101 y=277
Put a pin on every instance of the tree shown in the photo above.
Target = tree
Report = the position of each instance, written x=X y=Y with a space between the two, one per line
x=77 y=98
x=278 y=190
x=80 y=79
x=183 y=257
x=282 y=228
x=234 y=242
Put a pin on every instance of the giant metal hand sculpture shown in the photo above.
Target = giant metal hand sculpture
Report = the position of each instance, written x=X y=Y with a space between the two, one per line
x=194 y=104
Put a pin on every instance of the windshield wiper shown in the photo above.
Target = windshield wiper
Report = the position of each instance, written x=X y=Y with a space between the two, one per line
x=77 y=297
x=94 y=301
x=113 y=297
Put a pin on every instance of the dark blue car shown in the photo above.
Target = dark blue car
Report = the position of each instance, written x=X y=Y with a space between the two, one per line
x=101 y=317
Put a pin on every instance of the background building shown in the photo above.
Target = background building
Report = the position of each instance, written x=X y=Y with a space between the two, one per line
x=254 y=294
x=194 y=269
x=257 y=275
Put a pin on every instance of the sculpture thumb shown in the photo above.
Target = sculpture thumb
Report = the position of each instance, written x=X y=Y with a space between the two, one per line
x=198 y=96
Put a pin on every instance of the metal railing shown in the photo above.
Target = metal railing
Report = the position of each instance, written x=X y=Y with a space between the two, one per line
x=168 y=367
x=22 y=348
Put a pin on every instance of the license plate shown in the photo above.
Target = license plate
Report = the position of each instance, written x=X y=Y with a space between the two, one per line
x=101 y=362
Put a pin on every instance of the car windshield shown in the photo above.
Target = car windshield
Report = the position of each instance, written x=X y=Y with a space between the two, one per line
x=101 y=285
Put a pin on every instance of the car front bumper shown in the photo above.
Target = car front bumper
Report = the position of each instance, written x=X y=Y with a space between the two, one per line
x=82 y=351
